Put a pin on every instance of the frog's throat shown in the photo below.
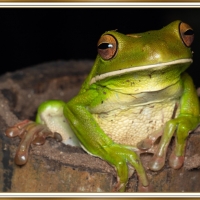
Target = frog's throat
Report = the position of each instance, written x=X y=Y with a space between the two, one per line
x=139 y=68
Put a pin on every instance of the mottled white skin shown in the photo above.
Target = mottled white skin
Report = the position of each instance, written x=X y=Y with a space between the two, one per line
x=132 y=118
x=129 y=118
x=132 y=125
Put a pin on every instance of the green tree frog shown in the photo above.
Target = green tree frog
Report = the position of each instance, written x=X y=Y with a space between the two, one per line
x=137 y=92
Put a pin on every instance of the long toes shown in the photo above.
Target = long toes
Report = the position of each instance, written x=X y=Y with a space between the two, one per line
x=21 y=156
x=156 y=163
x=144 y=144
x=42 y=133
x=176 y=162
x=12 y=132
x=39 y=140
x=18 y=129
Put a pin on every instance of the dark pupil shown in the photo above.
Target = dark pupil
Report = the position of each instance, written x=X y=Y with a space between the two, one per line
x=189 y=32
x=105 y=46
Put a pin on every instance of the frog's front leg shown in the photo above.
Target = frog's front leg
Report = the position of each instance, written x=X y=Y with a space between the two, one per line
x=96 y=142
x=180 y=127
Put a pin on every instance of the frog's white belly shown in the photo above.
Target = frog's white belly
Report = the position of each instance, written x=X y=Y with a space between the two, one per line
x=130 y=126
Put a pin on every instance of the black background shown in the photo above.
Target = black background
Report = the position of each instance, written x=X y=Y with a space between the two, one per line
x=31 y=36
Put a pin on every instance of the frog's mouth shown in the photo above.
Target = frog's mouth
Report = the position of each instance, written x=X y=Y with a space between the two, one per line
x=139 y=68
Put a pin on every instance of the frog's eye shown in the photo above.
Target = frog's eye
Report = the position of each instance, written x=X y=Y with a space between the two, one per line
x=107 y=47
x=187 y=34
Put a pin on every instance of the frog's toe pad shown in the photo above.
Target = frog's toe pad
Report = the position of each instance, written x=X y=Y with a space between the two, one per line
x=142 y=188
x=144 y=144
x=18 y=129
x=157 y=163
x=176 y=162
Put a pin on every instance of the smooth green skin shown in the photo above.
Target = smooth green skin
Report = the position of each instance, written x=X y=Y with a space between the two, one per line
x=133 y=52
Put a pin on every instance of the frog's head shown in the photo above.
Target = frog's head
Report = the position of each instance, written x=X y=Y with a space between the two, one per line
x=119 y=54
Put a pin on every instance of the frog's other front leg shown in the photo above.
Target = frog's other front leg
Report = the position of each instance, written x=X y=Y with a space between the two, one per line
x=29 y=132
x=180 y=127
x=50 y=122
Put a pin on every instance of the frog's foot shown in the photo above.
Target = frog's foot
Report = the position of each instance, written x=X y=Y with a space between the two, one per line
x=123 y=159
x=29 y=132
x=121 y=187
x=180 y=128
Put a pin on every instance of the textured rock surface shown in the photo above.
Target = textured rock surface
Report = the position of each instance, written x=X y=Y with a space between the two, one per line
x=54 y=167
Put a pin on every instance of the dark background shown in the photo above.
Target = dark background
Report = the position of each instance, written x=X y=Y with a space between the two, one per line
x=33 y=36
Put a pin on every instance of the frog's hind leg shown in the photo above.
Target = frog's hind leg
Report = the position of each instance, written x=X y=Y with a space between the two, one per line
x=186 y=125
x=181 y=127
x=187 y=120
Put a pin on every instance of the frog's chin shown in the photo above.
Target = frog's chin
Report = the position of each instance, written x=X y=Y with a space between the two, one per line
x=139 y=68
